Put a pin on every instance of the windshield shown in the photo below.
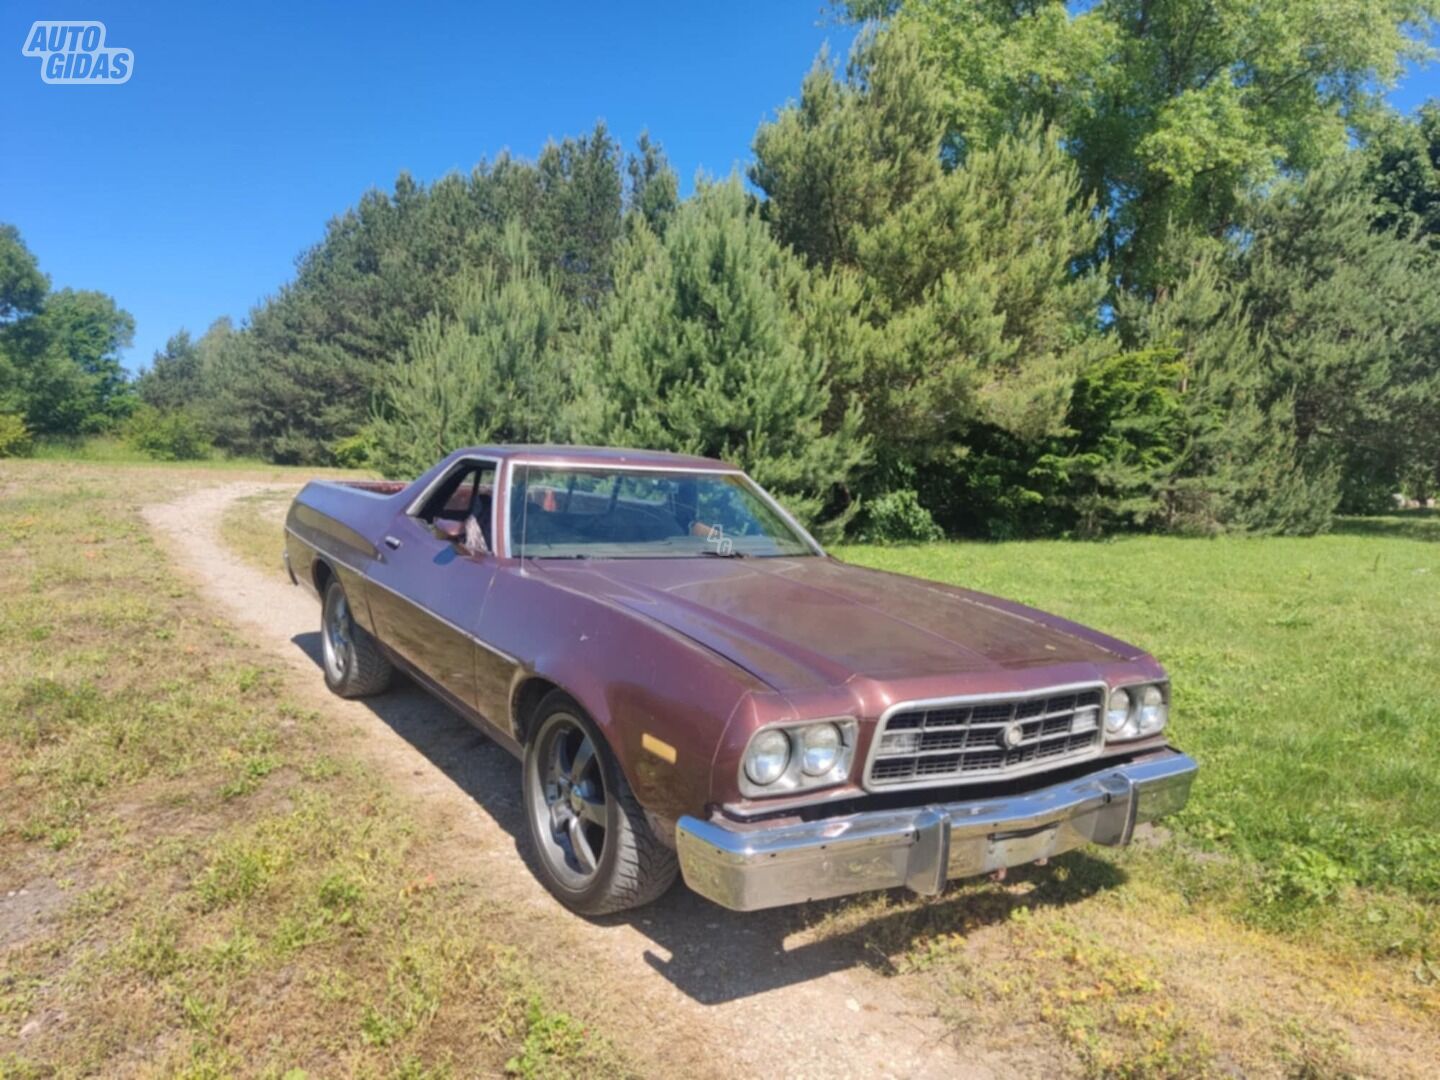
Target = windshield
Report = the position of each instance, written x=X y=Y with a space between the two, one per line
x=558 y=513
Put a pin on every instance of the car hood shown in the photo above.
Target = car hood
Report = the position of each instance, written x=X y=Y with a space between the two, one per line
x=809 y=622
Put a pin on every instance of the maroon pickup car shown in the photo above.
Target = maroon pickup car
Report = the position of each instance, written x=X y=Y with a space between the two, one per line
x=694 y=685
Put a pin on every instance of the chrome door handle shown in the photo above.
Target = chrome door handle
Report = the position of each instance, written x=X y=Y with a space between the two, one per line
x=392 y=542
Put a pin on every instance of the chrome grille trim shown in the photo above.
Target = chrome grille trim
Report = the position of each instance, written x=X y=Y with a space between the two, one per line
x=960 y=737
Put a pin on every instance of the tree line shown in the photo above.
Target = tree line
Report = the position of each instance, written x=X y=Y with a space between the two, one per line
x=1012 y=270
x=60 y=370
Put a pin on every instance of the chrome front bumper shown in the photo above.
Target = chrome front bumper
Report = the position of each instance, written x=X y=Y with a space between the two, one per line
x=922 y=847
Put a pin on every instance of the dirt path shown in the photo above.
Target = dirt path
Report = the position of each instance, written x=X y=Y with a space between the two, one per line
x=701 y=990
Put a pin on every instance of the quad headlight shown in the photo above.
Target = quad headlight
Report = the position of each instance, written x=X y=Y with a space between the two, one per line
x=1117 y=713
x=820 y=746
x=768 y=756
x=1136 y=711
x=796 y=757
x=1154 y=713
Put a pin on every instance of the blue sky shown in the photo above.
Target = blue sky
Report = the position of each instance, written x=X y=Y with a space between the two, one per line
x=187 y=192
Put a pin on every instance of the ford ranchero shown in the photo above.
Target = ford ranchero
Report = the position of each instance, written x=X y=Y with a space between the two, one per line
x=693 y=685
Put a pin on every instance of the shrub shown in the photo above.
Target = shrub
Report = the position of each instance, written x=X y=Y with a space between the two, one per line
x=898 y=517
x=14 y=436
x=167 y=436
x=356 y=451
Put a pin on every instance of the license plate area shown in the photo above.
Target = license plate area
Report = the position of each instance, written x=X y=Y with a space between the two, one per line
x=982 y=854
x=1011 y=849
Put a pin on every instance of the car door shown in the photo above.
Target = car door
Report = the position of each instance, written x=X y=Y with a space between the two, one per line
x=427 y=591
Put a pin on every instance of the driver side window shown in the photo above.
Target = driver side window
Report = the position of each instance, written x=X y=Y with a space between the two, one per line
x=467 y=492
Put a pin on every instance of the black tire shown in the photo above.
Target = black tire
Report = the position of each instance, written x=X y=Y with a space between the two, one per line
x=354 y=663
x=632 y=866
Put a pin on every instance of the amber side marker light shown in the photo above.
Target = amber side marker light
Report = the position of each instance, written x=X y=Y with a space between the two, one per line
x=661 y=749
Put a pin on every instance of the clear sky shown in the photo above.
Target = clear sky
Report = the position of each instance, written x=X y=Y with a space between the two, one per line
x=187 y=192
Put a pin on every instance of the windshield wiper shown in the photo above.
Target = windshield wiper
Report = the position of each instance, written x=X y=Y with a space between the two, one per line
x=733 y=553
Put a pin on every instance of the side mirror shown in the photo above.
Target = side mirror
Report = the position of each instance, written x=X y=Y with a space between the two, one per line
x=454 y=531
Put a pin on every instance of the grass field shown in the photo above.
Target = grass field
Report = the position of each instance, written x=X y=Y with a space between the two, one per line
x=1305 y=676
x=109 y=450
x=1303 y=888
x=253 y=528
x=203 y=881
x=217 y=886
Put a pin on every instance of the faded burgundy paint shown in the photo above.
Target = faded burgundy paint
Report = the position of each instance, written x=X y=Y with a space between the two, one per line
x=696 y=652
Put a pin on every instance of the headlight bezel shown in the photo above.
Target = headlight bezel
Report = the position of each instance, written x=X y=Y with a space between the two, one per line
x=794 y=778
x=1143 y=720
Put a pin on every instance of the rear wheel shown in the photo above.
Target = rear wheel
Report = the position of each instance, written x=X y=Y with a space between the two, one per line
x=355 y=665
x=595 y=848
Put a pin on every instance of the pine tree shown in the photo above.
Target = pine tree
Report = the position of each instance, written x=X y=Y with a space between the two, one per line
x=305 y=371
x=977 y=271
x=498 y=365
x=654 y=189
x=955 y=280
x=986 y=325
x=1126 y=420
x=704 y=350
x=851 y=152
x=1235 y=466
x=1351 y=318
x=174 y=378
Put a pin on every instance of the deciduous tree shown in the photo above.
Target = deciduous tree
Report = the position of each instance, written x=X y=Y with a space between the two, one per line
x=1173 y=109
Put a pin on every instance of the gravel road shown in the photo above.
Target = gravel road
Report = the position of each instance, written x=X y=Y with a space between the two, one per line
x=701 y=990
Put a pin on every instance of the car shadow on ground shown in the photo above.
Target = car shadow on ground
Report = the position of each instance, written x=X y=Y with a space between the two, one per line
x=707 y=952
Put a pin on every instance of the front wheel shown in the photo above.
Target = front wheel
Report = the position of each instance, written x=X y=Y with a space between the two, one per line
x=596 y=851
x=355 y=665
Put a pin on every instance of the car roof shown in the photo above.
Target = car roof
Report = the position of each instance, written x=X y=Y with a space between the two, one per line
x=546 y=454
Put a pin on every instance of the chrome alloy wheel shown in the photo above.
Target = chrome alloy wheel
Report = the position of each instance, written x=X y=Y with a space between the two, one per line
x=569 y=804
x=338 y=642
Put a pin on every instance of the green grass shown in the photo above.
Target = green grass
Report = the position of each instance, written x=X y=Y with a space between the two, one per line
x=254 y=528
x=216 y=885
x=227 y=889
x=1305 y=676
x=111 y=450
x=1294 y=928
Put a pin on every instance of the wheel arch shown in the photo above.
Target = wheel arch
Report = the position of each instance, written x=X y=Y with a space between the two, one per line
x=324 y=570
x=525 y=701
x=321 y=574
x=660 y=699
x=534 y=686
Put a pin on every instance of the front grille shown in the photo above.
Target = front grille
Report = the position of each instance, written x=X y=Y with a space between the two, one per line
x=967 y=740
